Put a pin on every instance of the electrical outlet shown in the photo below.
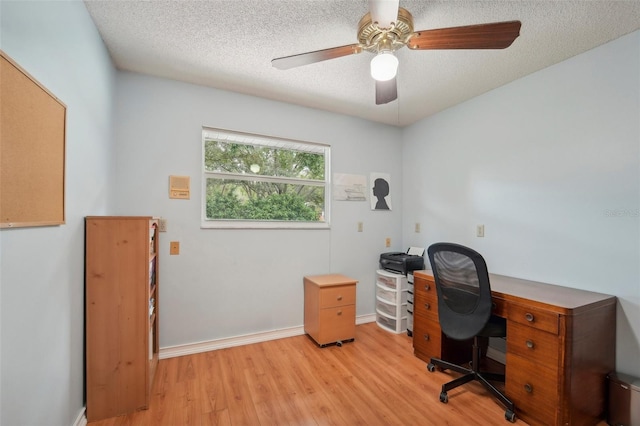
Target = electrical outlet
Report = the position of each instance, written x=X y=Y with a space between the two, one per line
x=417 y=227
x=387 y=242
x=480 y=231
x=360 y=226
x=174 y=247
x=162 y=225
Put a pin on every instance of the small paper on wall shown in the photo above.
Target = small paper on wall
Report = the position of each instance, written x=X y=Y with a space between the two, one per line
x=349 y=187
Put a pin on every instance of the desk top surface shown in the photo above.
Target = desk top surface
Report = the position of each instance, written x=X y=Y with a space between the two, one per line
x=329 y=280
x=543 y=294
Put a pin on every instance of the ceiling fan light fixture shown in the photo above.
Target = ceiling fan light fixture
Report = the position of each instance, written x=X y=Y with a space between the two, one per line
x=384 y=66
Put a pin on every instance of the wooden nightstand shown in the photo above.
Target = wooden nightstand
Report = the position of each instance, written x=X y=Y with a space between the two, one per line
x=330 y=308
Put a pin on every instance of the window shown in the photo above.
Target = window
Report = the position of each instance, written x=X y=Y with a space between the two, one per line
x=253 y=181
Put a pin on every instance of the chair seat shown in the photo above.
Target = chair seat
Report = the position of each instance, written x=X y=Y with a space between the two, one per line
x=496 y=327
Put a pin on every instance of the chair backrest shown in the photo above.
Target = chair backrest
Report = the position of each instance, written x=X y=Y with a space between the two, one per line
x=464 y=291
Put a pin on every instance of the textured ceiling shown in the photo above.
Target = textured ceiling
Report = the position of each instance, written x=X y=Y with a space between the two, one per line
x=229 y=44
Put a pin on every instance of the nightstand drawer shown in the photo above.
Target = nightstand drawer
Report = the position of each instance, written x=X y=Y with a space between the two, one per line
x=337 y=296
x=533 y=317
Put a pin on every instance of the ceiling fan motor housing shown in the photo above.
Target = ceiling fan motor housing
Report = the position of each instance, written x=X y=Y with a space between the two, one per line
x=374 y=39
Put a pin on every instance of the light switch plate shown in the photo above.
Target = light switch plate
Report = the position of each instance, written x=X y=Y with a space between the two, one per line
x=174 y=248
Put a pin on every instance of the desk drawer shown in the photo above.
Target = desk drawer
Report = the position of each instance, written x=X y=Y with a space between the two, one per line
x=426 y=337
x=534 y=345
x=425 y=306
x=533 y=317
x=533 y=389
x=425 y=299
x=337 y=296
x=337 y=324
x=499 y=307
x=420 y=285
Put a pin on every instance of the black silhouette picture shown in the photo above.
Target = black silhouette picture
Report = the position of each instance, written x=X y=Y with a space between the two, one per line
x=381 y=196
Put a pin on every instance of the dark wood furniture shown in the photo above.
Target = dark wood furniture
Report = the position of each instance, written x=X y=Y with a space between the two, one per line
x=560 y=346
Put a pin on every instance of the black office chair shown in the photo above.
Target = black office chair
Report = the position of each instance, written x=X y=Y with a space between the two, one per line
x=464 y=311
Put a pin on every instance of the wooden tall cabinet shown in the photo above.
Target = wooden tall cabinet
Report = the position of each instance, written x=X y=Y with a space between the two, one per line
x=121 y=307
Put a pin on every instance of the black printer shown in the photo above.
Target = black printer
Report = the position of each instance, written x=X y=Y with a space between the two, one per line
x=401 y=263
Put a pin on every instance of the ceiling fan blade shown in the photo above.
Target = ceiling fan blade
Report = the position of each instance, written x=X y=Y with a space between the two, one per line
x=497 y=35
x=384 y=12
x=386 y=91
x=301 y=59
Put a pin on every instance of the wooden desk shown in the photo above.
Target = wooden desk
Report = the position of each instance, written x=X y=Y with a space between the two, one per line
x=560 y=346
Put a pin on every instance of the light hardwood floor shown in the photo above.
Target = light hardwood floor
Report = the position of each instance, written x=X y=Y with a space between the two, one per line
x=374 y=380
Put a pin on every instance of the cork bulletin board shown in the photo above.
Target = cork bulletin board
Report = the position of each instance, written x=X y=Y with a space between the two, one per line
x=32 y=150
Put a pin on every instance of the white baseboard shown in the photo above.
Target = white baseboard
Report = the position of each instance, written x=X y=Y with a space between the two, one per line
x=229 y=342
x=363 y=319
x=496 y=355
x=81 y=420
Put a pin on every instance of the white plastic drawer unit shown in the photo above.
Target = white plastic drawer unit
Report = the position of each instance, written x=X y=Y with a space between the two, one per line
x=386 y=308
x=391 y=324
x=391 y=296
x=391 y=280
x=391 y=301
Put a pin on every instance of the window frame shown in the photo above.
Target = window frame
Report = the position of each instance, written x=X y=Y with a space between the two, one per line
x=233 y=136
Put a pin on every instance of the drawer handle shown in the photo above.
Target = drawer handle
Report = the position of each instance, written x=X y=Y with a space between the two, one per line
x=339 y=297
x=528 y=388
x=427 y=287
x=426 y=337
x=339 y=312
x=529 y=344
x=427 y=306
x=528 y=316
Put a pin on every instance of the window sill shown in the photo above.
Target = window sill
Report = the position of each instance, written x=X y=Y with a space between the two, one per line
x=247 y=224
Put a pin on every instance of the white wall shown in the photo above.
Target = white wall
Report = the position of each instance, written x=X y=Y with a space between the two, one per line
x=42 y=269
x=550 y=164
x=539 y=162
x=227 y=283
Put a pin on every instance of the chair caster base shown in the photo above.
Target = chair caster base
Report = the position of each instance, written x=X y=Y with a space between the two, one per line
x=510 y=416
x=444 y=398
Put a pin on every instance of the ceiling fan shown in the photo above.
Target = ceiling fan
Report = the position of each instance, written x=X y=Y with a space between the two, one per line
x=388 y=27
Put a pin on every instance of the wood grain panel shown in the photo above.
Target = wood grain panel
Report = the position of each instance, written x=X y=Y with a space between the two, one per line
x=338 y=323
x=118 y=364
x=337 y=296
x=533 y=344
x=533 y=389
